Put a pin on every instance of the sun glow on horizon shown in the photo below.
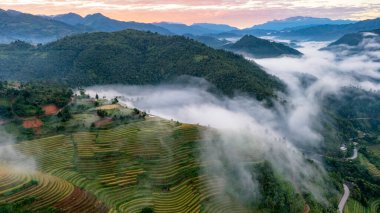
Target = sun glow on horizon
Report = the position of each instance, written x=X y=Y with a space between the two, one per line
x=241 y=14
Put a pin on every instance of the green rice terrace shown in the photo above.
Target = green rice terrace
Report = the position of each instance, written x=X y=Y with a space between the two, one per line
x=95 y=155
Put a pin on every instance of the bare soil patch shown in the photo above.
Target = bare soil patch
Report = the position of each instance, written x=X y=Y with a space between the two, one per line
x=109 y=106
x=103 y=122
x=306 y=209
x=32 y=123
x=50 y=109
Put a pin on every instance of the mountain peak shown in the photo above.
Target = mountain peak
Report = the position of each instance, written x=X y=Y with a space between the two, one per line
x=69 y=18
x=69 y=14
x=11 y=12
x=96 y=15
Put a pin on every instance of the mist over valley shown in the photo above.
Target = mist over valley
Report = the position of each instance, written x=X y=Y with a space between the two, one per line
x=105 y=115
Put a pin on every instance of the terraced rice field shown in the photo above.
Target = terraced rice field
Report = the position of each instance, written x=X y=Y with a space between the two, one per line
x=354 y=206
x=152 y=163
x=49 y=191
x=371 y=168
x=375 y=149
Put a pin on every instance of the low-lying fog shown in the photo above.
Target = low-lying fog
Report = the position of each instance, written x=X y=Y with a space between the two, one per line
x=11 y=157
x=249 y=129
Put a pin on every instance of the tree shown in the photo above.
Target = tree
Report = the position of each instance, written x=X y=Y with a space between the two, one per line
x=65 y=114
x=101 y=113
x=147 y=210
x=82 y=92
x=115 y=100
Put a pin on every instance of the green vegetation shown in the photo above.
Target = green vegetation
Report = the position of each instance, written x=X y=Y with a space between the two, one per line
x=134 y=57
x=277 y=195
x=27 y=99
x=351 y=117
x=261 y=48
x=23 y=110
x=21 y=207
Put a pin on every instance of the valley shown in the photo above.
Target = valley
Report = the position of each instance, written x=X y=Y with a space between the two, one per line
x=99 y=113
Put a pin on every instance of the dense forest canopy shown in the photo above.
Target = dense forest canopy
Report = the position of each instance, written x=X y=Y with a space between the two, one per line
x=134 y=57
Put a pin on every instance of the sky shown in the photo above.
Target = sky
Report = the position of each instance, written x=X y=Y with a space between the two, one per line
x=238 y=13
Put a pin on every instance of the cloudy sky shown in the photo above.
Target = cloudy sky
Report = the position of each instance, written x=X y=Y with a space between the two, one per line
x=239 y=13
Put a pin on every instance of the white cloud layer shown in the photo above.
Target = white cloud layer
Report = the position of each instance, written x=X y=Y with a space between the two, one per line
x=249 y=130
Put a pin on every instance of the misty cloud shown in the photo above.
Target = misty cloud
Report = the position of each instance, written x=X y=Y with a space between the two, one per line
x=11 y=157
x=247 y=131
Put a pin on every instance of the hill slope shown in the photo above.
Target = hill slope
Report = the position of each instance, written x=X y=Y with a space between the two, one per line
x=20 y=26
x=134 y=57
x=261 y=48
x=354 y=39
x=209 y=40
x=357 y=43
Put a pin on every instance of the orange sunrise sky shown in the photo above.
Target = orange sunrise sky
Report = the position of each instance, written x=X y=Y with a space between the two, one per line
x=239 y=13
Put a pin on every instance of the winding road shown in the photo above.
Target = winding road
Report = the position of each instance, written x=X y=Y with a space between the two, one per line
x=346 y=194
x=344 y=199
x=355 y=155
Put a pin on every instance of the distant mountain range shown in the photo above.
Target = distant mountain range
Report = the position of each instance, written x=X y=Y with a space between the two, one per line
x=20 y=26
x=99 y=22
x=298 y=22
x=15 y=25
x=306 y=31
x=329 y=32
x=261 y=48
x=195 y=29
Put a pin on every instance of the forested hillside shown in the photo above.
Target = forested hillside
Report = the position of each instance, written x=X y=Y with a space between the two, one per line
x=134 y=57
x=261 y=48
